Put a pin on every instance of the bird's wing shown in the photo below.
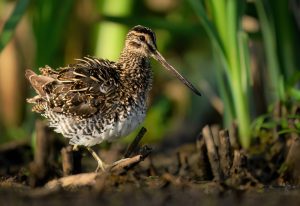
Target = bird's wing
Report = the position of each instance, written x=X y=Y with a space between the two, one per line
x=81 y=89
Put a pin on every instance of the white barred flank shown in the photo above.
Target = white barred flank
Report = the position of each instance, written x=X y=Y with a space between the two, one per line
x=94 y=130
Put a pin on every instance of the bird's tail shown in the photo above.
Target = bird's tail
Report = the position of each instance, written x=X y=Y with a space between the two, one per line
x=38 y=81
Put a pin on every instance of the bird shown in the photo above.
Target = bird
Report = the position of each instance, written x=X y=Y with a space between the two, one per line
x=96 y=100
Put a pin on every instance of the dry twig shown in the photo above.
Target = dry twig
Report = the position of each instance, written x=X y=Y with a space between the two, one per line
x=212 y=153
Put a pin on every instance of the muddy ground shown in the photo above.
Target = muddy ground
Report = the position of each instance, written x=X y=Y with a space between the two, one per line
x=212 y=170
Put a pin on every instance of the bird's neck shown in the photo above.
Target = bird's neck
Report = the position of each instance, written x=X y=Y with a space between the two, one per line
x=133 y=58
x=134 y=64
x=136 y=72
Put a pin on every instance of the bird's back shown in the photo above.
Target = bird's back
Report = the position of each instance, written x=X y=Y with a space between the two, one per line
x=80 y=90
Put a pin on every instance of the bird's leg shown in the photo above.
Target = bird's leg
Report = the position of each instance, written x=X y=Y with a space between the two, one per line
x=75 y=147
x=101 y=165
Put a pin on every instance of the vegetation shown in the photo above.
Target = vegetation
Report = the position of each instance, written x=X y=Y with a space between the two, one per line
x=53 y=32
x=231 y=45
x=242 y=135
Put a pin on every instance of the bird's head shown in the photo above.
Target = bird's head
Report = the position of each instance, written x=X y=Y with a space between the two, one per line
x=142 y=41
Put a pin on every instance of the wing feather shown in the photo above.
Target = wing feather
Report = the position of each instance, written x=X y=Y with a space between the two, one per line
x=81 y=89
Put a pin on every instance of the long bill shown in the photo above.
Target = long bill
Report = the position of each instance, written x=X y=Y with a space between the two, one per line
x=157 y=56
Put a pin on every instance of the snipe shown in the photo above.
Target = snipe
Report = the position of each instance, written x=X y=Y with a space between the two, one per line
x=96 y=99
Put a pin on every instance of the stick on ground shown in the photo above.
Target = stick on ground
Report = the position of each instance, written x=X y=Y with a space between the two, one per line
x=67 y=160
x=225 y=152
x=212 y=153
x=133 y=146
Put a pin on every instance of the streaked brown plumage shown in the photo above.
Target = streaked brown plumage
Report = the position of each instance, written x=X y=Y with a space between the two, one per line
x=96 y=99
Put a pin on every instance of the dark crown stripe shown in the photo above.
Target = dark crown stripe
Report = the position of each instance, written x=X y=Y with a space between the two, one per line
x=142 y=29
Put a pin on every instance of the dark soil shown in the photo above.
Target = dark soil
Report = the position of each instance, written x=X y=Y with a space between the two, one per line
x=213 y=170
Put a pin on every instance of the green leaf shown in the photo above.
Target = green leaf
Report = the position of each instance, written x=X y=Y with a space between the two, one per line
x=12 y=22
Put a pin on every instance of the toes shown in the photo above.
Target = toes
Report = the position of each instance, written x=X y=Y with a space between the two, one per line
x=101 y=167
x=97 y=169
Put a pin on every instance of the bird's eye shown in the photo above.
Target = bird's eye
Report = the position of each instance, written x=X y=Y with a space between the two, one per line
x=142 y=38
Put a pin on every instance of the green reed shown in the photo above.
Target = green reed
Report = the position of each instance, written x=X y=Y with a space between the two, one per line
x=222 y=21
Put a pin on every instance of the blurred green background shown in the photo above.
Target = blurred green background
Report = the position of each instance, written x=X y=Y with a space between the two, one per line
x=242 y=55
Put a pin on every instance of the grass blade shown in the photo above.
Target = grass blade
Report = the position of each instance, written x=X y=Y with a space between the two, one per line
x=11 y=23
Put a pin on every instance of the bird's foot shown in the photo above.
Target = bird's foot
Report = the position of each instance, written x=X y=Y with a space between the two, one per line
x=118 y=165
x=102 y=166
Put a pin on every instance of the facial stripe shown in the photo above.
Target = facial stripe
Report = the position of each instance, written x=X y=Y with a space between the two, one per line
x=138 y=30
x=135 y=44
